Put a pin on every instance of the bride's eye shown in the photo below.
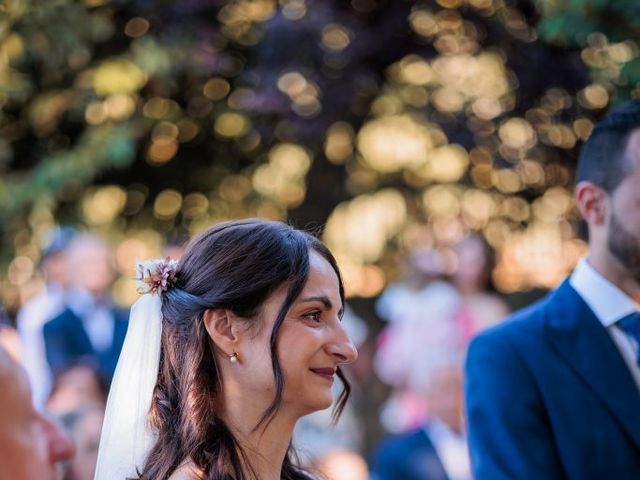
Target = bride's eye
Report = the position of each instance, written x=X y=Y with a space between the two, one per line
x=313 y=316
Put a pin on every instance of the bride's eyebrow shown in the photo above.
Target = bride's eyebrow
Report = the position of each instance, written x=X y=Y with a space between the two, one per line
x=324 y=300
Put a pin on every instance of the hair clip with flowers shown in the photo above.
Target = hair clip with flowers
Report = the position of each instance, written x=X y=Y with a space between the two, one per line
x=156 y=276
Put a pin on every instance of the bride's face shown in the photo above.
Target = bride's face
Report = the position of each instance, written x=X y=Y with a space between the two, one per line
x=312 y=343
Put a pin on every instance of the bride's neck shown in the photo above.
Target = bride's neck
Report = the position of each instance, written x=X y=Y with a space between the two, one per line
x=265 y=447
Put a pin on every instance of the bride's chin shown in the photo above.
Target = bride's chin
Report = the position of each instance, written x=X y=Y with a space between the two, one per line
x=310 y=407
x=319 y=404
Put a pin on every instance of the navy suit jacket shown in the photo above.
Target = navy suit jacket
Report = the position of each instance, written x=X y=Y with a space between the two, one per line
x=67 y=341
x=548 y=396
x=410 y=456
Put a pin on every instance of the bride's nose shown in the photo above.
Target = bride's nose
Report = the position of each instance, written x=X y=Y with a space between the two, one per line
x=341 y=347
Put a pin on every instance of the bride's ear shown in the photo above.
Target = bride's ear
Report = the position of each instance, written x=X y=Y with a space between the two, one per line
x=221 y=327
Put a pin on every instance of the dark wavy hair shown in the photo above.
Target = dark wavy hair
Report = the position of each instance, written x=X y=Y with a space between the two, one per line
x=234 y=265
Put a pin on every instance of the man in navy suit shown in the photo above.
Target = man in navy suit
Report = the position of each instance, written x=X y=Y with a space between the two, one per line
x=554 y=391
x=437 y=450
x=90 y=327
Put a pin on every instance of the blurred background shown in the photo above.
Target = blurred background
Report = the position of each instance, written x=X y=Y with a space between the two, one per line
x=431 y=144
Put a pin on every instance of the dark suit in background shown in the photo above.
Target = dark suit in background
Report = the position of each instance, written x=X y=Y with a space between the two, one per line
x=67 y=342
x=549 y=396
x=409 y=456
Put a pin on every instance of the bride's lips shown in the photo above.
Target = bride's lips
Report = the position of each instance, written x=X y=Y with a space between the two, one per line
x=326 y=373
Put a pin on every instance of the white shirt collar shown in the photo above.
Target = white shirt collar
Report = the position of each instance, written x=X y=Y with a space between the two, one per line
x=437 y=429
x=451 y=448
x=607 y=301
x=83 y=304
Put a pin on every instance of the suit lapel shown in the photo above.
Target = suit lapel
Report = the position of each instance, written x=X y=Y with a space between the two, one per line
x=78 y=333
x=579 y=337
x=434 y=465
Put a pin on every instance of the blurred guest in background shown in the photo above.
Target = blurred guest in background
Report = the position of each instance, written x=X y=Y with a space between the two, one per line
x=478 y=307
x=423 y=268
x=554 y=392
x=84 y=425
x=433 y=325
x=419 y=310
x=31 y=444
x=437 y=450
x=49 y=303
x=78 y=386
x=90 y=327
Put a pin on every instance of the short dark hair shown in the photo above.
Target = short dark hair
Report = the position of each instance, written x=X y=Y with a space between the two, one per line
x=602 y=159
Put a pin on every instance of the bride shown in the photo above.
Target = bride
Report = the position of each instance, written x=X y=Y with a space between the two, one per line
x=225 y=351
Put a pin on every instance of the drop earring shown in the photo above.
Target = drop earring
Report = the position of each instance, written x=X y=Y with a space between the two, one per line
x=233 y=358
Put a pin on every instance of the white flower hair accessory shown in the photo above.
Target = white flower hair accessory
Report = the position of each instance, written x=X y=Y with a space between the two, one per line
x=156 y=276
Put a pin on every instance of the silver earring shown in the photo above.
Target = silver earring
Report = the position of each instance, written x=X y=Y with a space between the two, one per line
x=233 y=358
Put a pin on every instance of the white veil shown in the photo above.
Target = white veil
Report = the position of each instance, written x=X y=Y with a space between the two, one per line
x=126 y=435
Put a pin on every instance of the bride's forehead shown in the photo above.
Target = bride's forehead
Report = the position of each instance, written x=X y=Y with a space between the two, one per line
x=320 y=282
x=320 y=267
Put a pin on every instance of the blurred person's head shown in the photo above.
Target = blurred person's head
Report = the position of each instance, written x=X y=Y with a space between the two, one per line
x=92 y=264
x=79 y=385
x=473 y=265
x=422 y=266
x=608 y=194
x=30 y=443
x=55 y=256
x=443 y=395
x=84 y=426
x=56 y=268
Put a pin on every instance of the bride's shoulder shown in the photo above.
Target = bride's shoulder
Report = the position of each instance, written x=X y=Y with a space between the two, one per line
x=186 y=471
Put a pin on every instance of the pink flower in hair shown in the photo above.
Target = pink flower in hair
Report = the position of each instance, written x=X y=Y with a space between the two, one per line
x=155 y=276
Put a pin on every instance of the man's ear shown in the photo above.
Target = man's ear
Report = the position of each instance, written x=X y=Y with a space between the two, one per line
x=222 y=328
x=592 y=202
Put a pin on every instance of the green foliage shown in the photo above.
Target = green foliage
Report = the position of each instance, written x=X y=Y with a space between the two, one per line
x=594 y=23
x=385 y=117
x=97 y=149
x=567 y=28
